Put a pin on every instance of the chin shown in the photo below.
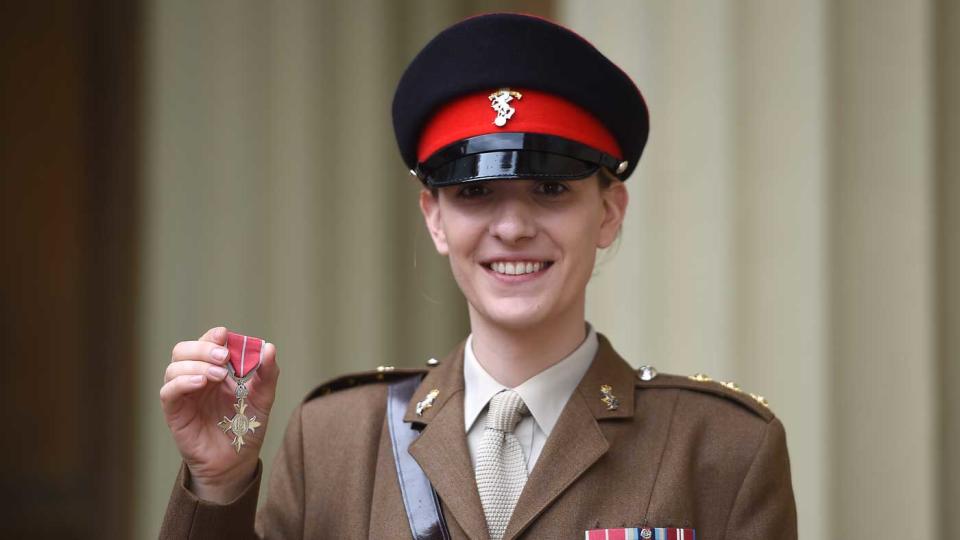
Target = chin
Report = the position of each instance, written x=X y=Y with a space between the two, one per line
x=515 y=313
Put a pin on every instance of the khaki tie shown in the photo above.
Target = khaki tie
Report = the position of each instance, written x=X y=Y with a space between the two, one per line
x=501 y=470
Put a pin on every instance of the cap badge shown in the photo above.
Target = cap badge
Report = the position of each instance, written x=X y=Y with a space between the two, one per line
x=427 y=401
x=608 y=398
x=500 y=102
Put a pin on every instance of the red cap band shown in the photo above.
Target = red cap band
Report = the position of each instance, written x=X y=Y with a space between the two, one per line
x=535 y=112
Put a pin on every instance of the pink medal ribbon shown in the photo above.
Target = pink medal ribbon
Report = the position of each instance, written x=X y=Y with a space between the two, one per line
x=246 y=354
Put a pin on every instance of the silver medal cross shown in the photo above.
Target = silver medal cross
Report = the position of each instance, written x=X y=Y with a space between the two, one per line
x=239 y=425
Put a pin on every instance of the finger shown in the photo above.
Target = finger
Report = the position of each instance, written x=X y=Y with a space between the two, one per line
x=173 y=391
x=194 y=367
x=217 y=334
x=199 y=350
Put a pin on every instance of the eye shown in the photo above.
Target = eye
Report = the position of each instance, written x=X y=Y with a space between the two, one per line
x=473 y=191
x=552 y=188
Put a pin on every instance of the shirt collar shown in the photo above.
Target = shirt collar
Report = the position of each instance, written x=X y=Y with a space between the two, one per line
x=545 y=394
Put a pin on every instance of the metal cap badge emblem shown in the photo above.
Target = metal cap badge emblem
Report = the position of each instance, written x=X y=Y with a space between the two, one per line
x=500 y=102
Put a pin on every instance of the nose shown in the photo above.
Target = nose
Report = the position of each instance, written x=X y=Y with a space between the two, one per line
x=513 y=221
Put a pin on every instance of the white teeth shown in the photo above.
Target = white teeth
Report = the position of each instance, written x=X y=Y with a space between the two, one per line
x=516 y=268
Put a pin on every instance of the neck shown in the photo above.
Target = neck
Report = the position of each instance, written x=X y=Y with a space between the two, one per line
x=512 y=355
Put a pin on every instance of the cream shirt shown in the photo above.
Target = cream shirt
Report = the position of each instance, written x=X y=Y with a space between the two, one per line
x=545 y=394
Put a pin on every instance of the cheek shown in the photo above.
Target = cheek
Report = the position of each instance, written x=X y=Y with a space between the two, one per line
x=580 y=232
x=586 y=257
x=582 y=236
x=461 y=238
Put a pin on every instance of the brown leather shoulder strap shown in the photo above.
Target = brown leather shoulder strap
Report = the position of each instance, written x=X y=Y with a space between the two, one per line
x=419 y=498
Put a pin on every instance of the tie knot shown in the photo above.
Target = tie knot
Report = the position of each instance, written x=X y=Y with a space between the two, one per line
x=506 y=409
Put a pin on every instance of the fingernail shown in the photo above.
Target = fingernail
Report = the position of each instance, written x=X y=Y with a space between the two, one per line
x=217 y=372
x=219 y=354
x=197 y=379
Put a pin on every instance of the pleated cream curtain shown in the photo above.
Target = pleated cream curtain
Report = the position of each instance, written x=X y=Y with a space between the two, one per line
x=792 y=224
x=793 y=229
x=276 y=201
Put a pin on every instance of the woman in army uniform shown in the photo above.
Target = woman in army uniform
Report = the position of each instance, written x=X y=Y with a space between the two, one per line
x=522 y=135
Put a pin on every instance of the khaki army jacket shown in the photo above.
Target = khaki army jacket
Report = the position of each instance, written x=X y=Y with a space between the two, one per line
x=674 y=452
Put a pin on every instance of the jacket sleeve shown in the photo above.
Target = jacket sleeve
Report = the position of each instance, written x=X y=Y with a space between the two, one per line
x=764 y=506
x=189 y=517
x=283 y=512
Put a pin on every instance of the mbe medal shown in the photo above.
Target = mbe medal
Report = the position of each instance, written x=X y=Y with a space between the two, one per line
x=246 y=354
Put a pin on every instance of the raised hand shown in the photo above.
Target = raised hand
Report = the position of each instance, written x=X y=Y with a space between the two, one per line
x=196 y=395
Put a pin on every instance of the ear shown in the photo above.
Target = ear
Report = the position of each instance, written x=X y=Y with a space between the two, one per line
x=430 y=208
x=615 y=199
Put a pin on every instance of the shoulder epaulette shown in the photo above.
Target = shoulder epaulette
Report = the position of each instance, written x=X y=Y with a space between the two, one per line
x=647 y=377
x=381 y=374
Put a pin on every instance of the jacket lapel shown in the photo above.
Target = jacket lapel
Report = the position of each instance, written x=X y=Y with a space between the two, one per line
x=441 y=450
x=576 y=441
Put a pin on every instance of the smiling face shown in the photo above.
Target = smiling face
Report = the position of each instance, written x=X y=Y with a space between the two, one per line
x=522 y=251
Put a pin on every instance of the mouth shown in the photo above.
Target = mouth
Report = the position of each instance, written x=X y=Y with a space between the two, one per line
x=517 y=268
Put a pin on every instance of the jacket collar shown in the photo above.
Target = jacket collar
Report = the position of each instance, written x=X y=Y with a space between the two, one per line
x=576 y=441
x=447 y=379
x=441 y=449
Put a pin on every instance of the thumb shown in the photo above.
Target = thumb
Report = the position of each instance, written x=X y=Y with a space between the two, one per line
x=269 y=371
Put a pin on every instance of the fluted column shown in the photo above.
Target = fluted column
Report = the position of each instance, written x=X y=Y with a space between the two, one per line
x=947 y=122
x=882 y=269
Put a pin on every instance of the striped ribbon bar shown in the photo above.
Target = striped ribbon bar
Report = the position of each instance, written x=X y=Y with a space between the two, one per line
x=641 y=533
x=246 y=353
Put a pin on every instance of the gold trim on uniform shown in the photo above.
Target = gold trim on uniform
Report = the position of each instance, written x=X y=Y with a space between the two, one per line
x=760 y=399
x=731 y=385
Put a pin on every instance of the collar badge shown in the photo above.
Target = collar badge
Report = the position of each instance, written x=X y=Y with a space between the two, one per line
x=608 y=398
x=427 y=401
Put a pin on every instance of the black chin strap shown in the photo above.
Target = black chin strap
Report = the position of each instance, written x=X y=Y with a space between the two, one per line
x=419 y=498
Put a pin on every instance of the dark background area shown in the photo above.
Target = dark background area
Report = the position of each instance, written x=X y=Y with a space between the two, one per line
x=69 y=169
